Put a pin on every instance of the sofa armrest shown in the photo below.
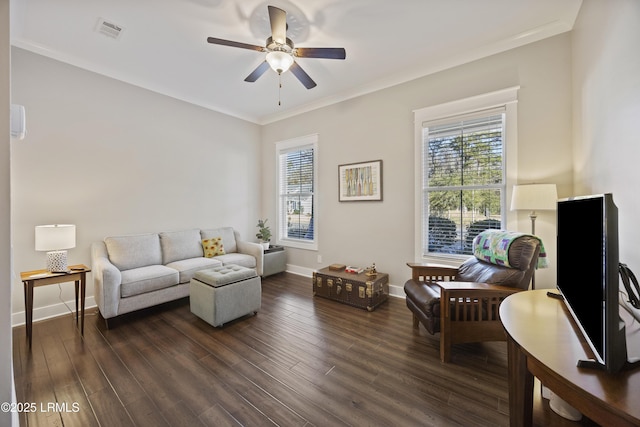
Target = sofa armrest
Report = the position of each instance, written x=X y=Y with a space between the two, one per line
x=106 y=281
x=254 y=249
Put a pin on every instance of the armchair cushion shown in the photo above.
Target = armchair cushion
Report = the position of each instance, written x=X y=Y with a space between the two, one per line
x=474 y=270
x=423 y=299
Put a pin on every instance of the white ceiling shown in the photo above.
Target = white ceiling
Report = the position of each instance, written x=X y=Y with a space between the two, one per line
x=163 y=45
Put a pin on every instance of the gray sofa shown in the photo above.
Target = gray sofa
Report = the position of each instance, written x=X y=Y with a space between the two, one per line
x=133 y=272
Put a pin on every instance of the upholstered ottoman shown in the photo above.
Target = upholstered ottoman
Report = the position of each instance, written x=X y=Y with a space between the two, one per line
x=221 y=294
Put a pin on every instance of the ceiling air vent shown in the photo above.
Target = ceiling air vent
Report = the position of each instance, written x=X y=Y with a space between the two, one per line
x=109 y=29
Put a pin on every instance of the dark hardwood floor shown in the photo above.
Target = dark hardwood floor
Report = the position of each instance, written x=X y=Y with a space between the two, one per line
x=301 y=361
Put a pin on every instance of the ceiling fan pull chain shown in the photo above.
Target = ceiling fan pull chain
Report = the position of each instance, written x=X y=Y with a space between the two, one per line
x=279 y=87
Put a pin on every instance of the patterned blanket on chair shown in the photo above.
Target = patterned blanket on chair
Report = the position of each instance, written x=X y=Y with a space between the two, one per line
x=493 y=246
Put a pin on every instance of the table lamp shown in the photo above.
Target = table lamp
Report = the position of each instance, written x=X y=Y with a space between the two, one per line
x=55 y=239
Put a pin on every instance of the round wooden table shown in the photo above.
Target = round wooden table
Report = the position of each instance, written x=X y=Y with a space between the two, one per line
x=544 y=341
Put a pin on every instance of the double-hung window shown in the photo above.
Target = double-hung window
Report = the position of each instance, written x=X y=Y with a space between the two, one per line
x=462 y=175
x=296 y=170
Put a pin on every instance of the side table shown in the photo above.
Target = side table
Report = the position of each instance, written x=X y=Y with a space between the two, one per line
x=275 y=260
x=35 y=278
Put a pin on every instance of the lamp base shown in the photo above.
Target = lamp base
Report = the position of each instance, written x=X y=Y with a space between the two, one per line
x=57 y=262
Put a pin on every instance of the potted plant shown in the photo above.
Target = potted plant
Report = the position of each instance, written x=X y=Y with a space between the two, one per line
x=264 y=233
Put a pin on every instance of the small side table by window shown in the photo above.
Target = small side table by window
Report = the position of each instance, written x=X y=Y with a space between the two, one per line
x=275 y=260
x=35 y=278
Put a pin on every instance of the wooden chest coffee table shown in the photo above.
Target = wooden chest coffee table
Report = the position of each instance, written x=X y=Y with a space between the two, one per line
x=358 y=290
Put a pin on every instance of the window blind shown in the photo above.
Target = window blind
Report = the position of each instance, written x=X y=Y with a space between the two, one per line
x=296 y=189
x=463 y=180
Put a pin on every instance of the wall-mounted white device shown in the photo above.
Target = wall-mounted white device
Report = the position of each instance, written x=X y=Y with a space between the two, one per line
x=18 y=121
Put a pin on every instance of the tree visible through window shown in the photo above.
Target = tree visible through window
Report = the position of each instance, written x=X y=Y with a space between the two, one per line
x=296 y=180
x=463 y=181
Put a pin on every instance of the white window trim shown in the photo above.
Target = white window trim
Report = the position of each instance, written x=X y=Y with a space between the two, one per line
x=299 y=142
x=507 y=98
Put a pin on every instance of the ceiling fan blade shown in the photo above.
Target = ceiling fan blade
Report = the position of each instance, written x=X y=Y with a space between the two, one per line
x=255 y=74
x=224 y=42
x=302 y=76
x=321 y=52
x=278 y=19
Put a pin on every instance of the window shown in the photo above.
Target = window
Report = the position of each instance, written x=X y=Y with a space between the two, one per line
x=462 y=173
x=296 y=169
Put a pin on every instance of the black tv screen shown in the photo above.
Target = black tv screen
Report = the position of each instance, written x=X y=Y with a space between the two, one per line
x=588 y=275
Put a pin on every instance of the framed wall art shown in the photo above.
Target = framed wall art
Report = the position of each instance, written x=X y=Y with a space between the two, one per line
x=360 y=181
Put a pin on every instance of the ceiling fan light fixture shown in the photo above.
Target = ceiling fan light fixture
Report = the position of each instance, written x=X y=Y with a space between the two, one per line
x=279 y=61
x=280 y=51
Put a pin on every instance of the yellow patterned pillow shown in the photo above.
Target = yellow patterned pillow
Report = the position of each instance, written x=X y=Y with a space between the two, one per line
x=213 y=247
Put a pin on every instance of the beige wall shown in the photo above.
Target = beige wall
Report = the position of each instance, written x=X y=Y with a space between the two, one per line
x=606 y=102
x=117 y=159
x=6 y=366
x=80 y=125
x=93 y=123
x=380 y=126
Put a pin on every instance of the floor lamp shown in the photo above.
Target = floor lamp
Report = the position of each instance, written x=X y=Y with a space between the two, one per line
x=532 y=198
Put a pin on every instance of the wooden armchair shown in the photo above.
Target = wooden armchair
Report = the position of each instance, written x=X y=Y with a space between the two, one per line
x=462 y=303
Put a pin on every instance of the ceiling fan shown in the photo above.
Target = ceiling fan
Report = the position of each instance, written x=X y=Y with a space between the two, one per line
x=281 y=52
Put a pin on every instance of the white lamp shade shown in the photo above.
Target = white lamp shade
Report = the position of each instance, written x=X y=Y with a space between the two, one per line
x=534 y=197
x=279 y=61
x=55 y=237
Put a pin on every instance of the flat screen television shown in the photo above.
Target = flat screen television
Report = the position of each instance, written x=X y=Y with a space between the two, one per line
x=588 y=259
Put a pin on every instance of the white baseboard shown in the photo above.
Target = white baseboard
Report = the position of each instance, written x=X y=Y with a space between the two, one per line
x=60 y=309
x=301 y=271
x=394 y=290
x=53 y=310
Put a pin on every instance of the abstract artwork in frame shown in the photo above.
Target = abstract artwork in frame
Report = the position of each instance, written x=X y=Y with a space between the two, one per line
x=360 y=181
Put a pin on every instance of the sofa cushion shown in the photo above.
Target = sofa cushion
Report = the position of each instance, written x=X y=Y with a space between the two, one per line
x=188 y=267
x=238 y=259
x=213 y=247
x=140 y=250
x=177 y=245
x=147 y=279
x=227 y=234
